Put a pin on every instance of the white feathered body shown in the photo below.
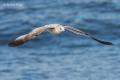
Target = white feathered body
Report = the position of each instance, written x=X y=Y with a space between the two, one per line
x=55 y=28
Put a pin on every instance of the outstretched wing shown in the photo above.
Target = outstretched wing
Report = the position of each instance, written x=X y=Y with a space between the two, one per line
x=27 y=37
x=79 y=32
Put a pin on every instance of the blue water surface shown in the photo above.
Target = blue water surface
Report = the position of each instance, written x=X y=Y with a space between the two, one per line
x=66 y=56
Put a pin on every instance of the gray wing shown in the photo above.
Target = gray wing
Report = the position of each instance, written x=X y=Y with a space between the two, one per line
x=80 y=32
x=27 y=37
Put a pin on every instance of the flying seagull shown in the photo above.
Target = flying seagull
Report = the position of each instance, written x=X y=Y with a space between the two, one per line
x=52 y=28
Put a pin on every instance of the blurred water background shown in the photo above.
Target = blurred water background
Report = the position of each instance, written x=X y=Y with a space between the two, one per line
x=66 y=56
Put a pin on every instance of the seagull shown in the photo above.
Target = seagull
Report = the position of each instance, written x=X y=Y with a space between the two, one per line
x=54 y=29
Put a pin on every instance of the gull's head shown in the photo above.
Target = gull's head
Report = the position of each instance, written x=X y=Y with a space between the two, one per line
x=56 y=28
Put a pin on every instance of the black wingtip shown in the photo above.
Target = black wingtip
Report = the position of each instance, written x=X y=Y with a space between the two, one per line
x=16 y=43
x=102 y=42
x=107 y=43
x=12 y=44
